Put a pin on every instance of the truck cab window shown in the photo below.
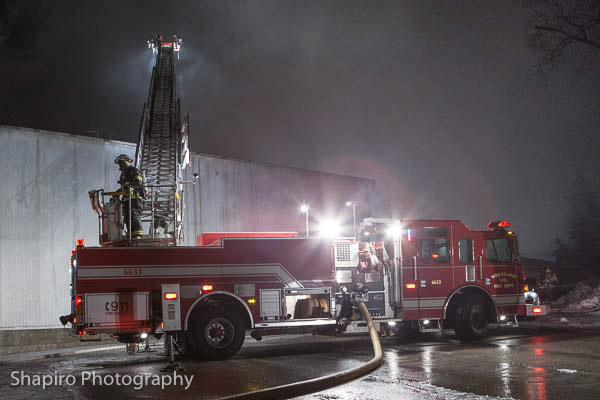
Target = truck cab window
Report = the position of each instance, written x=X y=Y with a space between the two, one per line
x=465 y=251
x=435 y=251
x=497 y=250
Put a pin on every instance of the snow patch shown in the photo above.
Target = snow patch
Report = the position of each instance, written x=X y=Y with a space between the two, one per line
x=582 y=298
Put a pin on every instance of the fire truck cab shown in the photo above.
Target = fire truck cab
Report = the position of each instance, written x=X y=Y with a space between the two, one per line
x=430 y=275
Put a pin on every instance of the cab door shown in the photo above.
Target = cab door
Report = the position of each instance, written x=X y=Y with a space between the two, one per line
x=434 y=269
x=468 y=267
x=502 y=272
x=410 y=286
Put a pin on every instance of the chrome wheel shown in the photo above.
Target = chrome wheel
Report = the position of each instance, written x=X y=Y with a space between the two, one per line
x=219 y=333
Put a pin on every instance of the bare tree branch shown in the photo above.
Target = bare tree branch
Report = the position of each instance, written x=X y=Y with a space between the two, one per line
x=561 y=26
x=582 y=39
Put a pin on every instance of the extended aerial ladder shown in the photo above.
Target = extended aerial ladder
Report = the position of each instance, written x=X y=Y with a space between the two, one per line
x=162 y=153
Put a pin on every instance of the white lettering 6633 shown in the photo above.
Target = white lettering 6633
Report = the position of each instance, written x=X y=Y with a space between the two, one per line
x=132 y=271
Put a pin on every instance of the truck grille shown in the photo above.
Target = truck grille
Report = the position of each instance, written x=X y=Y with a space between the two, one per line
x=342 y=252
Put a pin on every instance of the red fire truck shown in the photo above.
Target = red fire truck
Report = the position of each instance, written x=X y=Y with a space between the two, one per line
x=424 y=275
x=419 y=275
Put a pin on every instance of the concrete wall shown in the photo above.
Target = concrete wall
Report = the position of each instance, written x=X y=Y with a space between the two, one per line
x=44 y=208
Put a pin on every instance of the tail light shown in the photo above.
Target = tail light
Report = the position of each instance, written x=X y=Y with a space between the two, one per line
x=411 y=285
x=537 y=310
x=170 y=296
x=207 y=288
x=78 y=305
x=526 y=288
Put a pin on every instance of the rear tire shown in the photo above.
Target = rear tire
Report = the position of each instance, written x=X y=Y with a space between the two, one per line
x=216 y=334
x=471 y=317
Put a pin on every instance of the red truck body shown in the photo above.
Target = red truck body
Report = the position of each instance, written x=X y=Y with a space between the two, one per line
x=430 y=274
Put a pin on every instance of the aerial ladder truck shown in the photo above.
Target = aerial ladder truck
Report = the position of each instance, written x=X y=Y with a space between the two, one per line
x=412 y=275
x=162 y=154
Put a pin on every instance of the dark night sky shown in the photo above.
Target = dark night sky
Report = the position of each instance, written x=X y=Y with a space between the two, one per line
x=439 y=101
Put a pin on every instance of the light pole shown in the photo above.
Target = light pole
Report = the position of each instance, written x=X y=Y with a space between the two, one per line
x=304 y=209
x=352 y=203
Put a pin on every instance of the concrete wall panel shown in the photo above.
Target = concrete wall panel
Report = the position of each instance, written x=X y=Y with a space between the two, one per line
x=44 y=207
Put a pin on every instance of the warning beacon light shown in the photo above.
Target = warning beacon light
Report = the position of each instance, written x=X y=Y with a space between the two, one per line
x=158 y=42
x=394 y=230
x=329 y=228
x=498 y=225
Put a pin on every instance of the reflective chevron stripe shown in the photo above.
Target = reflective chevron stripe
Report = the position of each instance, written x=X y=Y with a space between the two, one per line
x=138 y=272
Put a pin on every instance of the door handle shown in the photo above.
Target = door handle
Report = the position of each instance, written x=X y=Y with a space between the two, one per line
x=415 y=266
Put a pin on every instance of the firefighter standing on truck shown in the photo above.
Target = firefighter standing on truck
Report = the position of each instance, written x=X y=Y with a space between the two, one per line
x=132 y=186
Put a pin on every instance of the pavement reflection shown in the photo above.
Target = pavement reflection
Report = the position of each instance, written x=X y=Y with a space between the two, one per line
x=517 y=364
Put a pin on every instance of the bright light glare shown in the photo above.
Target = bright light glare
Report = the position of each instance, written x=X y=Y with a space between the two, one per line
x=392 y=323
x=502 y=317
x=144 y=335
x=394 y=230
x=329 y=228
x=426 y=322
x=304 y=208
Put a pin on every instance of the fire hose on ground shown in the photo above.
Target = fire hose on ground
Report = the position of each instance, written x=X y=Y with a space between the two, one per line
x=325 y=382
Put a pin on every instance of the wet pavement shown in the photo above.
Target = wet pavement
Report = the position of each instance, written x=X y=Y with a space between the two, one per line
x=530 y=362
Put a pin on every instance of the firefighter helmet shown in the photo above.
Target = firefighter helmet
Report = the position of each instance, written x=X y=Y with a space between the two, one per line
x=123 y=158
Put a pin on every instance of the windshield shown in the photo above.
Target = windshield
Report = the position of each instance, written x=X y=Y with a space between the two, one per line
x=498 y=250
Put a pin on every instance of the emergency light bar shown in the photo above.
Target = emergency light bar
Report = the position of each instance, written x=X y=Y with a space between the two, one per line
x=157 y=42
x=498 y=225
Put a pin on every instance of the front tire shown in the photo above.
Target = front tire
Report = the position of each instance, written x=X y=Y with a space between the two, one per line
x=471 y=317
x=217 y=334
